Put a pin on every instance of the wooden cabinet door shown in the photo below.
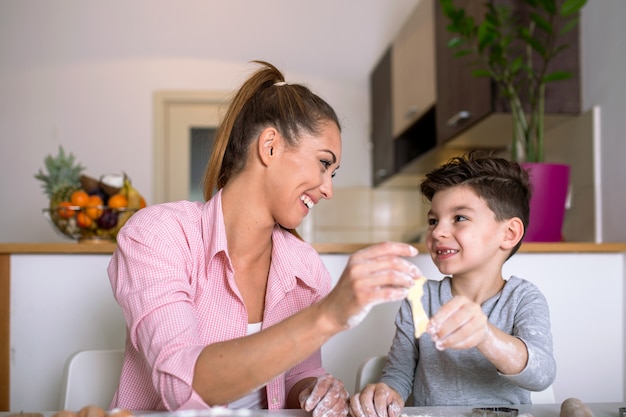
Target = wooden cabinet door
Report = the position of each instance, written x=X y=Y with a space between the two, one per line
x=462 y=99
x=390 y=154
x=413 y=68
x=382 y=140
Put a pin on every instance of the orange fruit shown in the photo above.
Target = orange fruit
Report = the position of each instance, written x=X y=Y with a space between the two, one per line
x=118 y=201
x=64 y=210
x=79 y=198
x=92 y=411
x=83 y=220
x=93 y=209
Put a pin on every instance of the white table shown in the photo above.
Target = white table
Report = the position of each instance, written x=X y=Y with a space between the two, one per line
x=536 y=410
x=610 y=409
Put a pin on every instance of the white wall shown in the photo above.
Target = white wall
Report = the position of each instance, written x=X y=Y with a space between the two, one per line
x=63 y=303
x=603 y=52
x=102 y=112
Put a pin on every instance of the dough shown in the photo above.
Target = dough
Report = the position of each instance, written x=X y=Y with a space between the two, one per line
x=420 y=318
x=573 y=407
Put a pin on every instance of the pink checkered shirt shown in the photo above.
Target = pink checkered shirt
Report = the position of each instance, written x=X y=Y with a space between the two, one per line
x=172 y=276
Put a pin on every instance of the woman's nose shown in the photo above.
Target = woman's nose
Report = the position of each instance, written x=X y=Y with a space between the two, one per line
x=327 y=187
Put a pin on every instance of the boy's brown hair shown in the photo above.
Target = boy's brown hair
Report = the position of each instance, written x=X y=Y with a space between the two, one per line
x=503 y=184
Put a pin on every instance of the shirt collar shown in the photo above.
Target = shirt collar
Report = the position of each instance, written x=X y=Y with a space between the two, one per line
x=213 y=227
x=287 y=253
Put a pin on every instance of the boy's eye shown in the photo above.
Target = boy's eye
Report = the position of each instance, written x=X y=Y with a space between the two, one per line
x=459 y=218
x=432 y=222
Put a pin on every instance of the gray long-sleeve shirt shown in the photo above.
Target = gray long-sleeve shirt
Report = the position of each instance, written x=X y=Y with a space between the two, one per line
x=466 y=377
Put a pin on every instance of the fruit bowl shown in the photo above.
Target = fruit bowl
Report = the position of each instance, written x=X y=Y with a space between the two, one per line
x=91 y=224
x=85 y=208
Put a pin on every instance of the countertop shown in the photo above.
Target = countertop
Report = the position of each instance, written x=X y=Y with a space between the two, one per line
x=534 y=410
x=323 y=248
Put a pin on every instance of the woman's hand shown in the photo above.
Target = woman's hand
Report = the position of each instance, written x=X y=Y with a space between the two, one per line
x=374 y=275
x=325 y=397
x=376 y=400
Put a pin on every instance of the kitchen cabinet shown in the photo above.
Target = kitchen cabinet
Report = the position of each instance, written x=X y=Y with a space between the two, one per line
x=413 y=68
x=390 y=153
x=464 y=100
x=382 y=146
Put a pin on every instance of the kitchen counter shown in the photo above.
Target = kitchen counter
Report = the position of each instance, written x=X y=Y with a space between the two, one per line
x=323 y=248
x=606 y=409
x=44 y=285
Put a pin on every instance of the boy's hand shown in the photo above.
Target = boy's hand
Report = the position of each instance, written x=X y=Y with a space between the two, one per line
x=376 y=400
x=459 y=324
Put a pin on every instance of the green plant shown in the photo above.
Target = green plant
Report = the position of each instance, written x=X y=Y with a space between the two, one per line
x=515 y=53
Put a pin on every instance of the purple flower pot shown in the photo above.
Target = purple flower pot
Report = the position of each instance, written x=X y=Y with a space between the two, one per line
x=547 y=206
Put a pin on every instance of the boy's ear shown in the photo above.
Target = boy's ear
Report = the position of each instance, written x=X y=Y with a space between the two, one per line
x=267 y=144
x=513 y=233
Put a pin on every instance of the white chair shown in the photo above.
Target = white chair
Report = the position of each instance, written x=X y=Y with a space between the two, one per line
x=370 y=370
x=90 y=378
x=543 y=397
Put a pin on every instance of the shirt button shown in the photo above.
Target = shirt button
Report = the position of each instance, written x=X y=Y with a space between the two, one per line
x=274 y=400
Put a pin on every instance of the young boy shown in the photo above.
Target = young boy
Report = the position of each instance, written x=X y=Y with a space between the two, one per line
x=488 y=341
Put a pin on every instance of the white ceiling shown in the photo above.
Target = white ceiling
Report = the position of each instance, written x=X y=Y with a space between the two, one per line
x=339 y=39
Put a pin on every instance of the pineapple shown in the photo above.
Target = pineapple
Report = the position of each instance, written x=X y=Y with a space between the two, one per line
x=63 y=177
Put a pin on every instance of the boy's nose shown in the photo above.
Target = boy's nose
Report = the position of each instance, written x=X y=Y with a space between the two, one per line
x=440 y=230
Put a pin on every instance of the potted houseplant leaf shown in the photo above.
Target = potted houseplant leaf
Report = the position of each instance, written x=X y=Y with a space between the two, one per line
x=514 y=43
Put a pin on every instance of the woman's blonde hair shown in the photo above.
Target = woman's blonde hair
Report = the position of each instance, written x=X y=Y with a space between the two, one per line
x=263 y=100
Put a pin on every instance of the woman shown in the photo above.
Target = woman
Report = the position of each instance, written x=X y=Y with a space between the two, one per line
x=224 y=304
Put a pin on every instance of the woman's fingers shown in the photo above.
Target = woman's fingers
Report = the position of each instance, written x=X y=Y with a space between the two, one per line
x=385 y=249
x=373 y=275
x=326 y=397
x=382 y=265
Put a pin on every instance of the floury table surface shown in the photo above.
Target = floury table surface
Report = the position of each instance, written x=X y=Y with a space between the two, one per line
x=611 y=409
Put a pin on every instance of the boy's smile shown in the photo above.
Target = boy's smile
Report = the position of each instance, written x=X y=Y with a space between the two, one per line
x=463 y=234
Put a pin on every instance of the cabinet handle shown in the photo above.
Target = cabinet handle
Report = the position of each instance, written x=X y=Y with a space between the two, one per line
x=411 y=112
x=458 y=118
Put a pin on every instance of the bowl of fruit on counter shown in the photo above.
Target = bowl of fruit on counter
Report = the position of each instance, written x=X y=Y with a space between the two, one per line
x=85 y=208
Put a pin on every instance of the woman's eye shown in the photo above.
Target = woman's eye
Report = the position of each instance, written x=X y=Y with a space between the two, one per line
x=326 y=164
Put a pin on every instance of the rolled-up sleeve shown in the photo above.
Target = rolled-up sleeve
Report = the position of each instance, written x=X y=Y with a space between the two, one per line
x=533 y=327
x=159 y=309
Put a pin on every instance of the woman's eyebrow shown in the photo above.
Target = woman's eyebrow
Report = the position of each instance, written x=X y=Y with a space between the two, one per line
x=334 y=159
